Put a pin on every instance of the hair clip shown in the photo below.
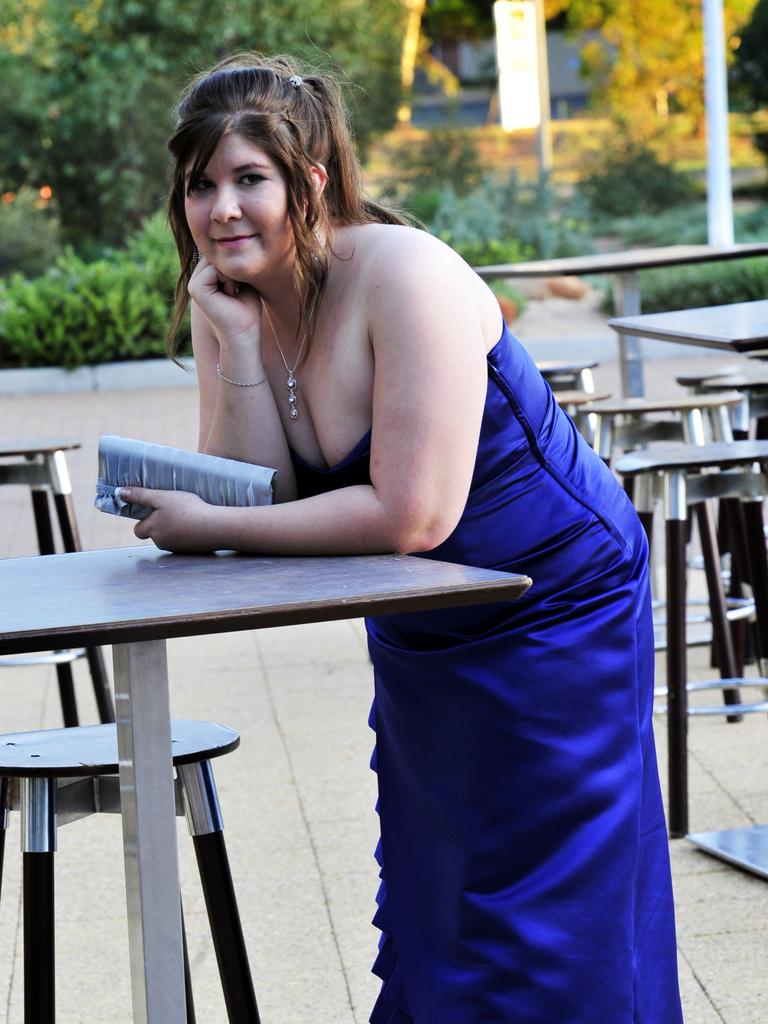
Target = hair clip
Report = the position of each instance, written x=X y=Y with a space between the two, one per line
x=296 y=81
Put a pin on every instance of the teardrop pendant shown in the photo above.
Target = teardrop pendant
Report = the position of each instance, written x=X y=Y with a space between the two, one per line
x=292 y=384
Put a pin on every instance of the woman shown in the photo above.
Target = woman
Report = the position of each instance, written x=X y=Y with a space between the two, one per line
x=523 y=841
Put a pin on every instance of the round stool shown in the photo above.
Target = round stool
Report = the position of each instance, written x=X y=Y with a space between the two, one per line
x=630 y=423
x=686 y=476
x=42 y=466
x=693 y=381
x=567 y=376
x=56 y=776
x=752 y=385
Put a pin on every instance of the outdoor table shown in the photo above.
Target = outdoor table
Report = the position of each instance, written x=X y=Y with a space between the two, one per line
x=740 y=327
x=137 y=597
x=624 y=267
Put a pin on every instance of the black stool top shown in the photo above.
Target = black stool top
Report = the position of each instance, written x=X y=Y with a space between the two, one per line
x=637 y=406
x=691 y=456
x=577 y=397
x=557 y=367
x=688 y=380
x=756 y=378
x=92 y=749
x=29 y=446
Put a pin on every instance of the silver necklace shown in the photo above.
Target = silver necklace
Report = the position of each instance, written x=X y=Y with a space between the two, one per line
x=291 y=382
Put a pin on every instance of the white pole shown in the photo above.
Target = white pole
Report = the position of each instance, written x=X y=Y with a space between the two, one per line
x=544 y=133
x=719 y=192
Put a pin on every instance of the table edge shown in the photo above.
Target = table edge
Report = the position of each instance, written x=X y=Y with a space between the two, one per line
x=500 y=270
x=512 y=587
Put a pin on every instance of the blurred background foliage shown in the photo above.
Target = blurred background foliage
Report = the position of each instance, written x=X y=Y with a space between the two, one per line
x=90 y=88
x=86 y=261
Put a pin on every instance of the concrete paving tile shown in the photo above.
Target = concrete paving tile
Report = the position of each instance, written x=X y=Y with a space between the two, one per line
x=688 y=859
x=11 y=929
x=741 y=905
x=750 y=1012
x=697 y=1007
x=715 y=810
x=325 y=720
x=302 y=992
x=26 y=693
x=83 y=955
x=339 y=840
x=353 y=904
x=335 y=790
x=282 y=647
x=727 y=975
x=342 y=686
x=756 y=804
x=364 y=989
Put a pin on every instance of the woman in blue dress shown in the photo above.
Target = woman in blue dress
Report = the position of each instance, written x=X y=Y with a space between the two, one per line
x=524 y=860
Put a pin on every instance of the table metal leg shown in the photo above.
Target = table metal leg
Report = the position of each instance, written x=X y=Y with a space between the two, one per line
x=626 y=302
x=149 y=833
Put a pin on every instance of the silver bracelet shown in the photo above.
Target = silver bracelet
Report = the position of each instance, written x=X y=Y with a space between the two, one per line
x=240 y=383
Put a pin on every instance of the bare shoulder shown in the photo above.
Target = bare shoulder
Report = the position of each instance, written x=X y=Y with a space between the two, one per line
x=397 y=264
x=393 y=248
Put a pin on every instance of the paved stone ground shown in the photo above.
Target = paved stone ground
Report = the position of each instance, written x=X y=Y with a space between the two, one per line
x=298 y=795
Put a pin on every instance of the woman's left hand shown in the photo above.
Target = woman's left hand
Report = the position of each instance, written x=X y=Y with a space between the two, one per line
x=180 y=521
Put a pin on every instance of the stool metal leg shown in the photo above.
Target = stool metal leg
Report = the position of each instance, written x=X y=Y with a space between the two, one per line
x=204 y=819
x=46 y=546
x=4 y=816
x=717 y=606
x=734 y=526
x=38 y=844
x=70 y=535
x=677 y=698
x=755 y=532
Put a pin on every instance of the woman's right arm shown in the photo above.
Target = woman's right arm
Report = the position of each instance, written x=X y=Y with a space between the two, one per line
x=239 y=422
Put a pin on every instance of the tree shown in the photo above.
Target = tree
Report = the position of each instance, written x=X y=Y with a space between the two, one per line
x=646 y=56
x=750 y=70
x=90 y=88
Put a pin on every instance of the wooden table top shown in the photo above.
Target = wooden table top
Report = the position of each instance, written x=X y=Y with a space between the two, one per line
x=131 y=594
x=737 y=327
x=618 y=262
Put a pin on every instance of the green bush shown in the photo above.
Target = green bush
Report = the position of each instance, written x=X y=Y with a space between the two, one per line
x=445 y=157
x=29 y=235
x=752 y=225
x=633 y=180
x=506 y=221
x=710 y=284
x=684 y=225
x=79 y=313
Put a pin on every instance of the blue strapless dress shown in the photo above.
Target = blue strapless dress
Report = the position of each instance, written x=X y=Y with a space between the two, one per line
x=524 y=860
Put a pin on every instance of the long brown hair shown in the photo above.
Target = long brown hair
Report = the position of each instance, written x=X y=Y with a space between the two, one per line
x=298 y=118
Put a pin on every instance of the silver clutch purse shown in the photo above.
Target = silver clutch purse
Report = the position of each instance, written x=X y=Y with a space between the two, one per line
x=125 y=462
